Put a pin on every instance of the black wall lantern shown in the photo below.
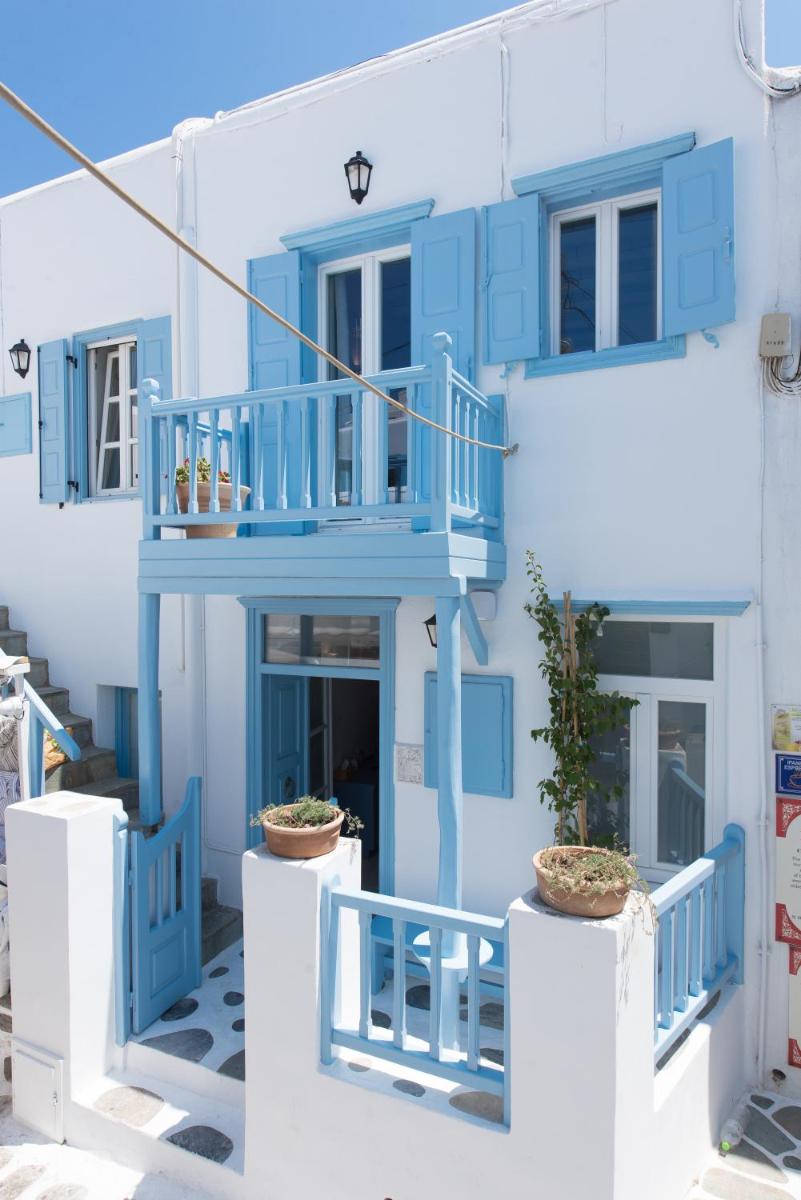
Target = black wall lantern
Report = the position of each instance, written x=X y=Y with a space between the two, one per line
x=431 y=629
x=21 y=357
x=358 y=171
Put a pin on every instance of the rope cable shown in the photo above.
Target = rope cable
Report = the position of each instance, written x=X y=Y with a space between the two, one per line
x=62 y=142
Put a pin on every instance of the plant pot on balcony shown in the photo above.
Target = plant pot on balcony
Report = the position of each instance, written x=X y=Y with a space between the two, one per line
x=225 y=493
x=584 y=881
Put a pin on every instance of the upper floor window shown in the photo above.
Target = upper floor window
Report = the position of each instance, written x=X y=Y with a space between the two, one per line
x=112 y=406
x=606 y=284
x=365 y=319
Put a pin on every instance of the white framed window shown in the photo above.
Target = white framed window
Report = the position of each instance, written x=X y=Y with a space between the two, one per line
x=113 y=410
x=606 y=285
x=668 y=759
x=364 y=306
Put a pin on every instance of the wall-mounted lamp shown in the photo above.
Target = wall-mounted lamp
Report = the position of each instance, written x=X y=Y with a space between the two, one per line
x=358 y=171
x=431 y=629
x=21 y=357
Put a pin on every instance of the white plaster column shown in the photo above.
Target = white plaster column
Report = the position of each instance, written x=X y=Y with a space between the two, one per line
x=61 y=908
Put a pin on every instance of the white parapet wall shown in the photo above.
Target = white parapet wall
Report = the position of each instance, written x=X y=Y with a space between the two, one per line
x=587 y=1116
x=61 y=893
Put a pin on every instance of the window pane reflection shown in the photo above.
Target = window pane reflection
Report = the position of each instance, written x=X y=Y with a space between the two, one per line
x=637 y=275
x=577 y=275
x=608 y=813
x=351 y=641
x=682 y=781
x=665 y=649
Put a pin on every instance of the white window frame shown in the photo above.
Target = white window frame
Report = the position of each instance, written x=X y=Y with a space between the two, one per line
x=370 y=265
x=126 y=441
x=605 y=212
x=644 y=744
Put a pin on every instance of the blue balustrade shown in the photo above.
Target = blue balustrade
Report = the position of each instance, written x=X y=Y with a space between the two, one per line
x=473 y=933
x=699 y=937
x=282 y=444
x=43 y=721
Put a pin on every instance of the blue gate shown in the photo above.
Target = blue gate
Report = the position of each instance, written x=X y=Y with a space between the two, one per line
x=165 y=912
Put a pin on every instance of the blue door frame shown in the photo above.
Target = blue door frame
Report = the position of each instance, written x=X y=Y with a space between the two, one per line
x=384 y=674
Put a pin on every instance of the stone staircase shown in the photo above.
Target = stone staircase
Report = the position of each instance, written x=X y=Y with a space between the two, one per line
x=221 y=925
x=95 y=771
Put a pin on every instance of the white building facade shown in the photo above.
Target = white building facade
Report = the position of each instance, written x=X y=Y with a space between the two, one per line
x=570 y=191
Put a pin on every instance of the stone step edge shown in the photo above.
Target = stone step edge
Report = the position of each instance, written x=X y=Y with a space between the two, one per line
x=179 y=1073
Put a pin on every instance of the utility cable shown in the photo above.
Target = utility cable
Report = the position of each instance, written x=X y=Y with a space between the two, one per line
x=50 y=132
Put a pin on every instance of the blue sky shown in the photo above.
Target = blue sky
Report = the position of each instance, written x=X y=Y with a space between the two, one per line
x=114 y=75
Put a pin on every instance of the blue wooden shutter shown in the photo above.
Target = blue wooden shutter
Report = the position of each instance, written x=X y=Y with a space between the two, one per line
x=511 y=285
x=53 y=421
x=154 y=354
x=487 y=735
x=444 y=286
x=274 y=360
x=15 y=424
x=698 y=239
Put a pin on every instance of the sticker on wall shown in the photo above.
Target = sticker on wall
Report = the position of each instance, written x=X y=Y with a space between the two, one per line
x=786 y=727
x=788 y=774
x=409 y=763
x=794 y=1011
x=788 y=871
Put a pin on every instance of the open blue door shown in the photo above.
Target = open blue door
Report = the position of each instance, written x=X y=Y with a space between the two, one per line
x=165 y=912
x=286 y=738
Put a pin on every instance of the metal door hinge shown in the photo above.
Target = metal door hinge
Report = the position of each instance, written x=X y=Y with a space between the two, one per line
x=73 y=483
x=72 y=360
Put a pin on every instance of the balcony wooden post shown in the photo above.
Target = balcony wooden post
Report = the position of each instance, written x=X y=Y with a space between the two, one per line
x=149 y=460
x=441 y=453
x=148 y=710
x=449 y=803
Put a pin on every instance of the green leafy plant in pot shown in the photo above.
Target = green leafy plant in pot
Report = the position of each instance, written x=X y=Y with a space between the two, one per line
x=572 y=875
x=203 y=491
x=306 y=828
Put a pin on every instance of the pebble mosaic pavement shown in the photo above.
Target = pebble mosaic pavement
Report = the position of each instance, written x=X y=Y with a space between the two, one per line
x=766 y=1165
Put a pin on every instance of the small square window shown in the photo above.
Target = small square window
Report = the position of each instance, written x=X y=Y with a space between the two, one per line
x=605 y=283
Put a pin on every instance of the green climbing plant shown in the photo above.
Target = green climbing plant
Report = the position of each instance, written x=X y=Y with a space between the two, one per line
x=579 y=711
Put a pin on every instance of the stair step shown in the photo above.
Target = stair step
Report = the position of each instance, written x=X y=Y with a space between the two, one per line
x=209 y=886
x=3 y=616
x=221 y=927
x=95 y=764
x=79 y=727
x=112 y=1112
x=115 y=787
x=38 y=676
x=57 y=699
x=14 y=642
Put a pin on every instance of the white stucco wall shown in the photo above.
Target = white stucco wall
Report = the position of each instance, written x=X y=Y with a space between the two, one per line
x=639 y=480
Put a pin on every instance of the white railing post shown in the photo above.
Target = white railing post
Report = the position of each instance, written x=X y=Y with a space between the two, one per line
x=441 y=452
x=149 y=459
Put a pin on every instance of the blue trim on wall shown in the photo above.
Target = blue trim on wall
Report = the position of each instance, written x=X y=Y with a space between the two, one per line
x=371 y=230
x=721 y=607
x=17 y=408
x=615 y=356
x=620 y=170
x=384 y=673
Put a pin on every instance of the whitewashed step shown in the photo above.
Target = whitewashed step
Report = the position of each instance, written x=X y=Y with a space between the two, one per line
x=156 y=1126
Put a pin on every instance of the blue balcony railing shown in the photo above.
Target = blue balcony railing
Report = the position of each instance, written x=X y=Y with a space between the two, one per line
x=282 y=449
x=699 y=937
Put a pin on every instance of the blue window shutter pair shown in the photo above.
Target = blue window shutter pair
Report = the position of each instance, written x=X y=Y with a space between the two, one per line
x=487 y=735
x=61 y=448
x=698 y=239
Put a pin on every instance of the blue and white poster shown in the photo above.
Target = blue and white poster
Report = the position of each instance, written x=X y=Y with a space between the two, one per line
x=788 y=774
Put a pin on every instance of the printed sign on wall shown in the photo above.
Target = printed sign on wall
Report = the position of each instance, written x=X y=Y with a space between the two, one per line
x=794 y=1013
x=788 y=871
x=786 y=727
x=788 y=774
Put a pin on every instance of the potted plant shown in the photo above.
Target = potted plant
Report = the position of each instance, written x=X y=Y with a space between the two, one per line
x=306 y=828
x=573 y=876
x=224 y=491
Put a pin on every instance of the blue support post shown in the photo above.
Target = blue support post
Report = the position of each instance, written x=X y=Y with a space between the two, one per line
x=148 y=710
x=449 y=803
x=735 y=899
x=150 y=459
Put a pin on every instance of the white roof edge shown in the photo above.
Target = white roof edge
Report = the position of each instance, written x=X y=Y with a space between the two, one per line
x=118 y=160
x=442 y=43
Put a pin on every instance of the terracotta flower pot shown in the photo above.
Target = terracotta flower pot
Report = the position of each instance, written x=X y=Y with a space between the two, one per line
x=578 y=902
x=308 y=842
x=203 y=501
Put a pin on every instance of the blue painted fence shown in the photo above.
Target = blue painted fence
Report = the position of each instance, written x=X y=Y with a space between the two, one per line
x=699 y=936
x=281 y=443
x=395 y=1045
